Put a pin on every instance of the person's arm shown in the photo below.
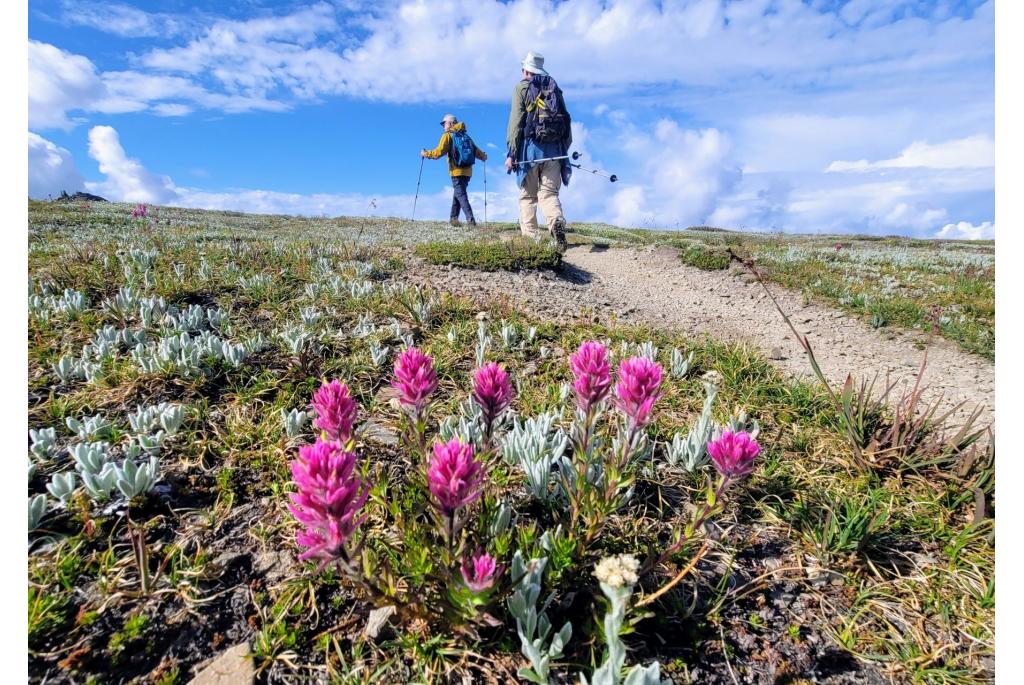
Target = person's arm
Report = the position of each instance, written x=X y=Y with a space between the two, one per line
x=480 y=154
x=516 y=118
x=442 y=147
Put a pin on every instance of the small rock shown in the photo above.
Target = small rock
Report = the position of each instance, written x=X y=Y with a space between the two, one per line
x=482 y=316
x=377 y=619
x=233 y=667
x=776 y=354
x=379 y=433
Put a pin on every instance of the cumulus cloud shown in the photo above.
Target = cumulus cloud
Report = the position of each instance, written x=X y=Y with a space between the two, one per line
x=58 y=81
x=684 y=173
x=127 y=180
x=972 y=151
x=964 y=230
x=51 y=169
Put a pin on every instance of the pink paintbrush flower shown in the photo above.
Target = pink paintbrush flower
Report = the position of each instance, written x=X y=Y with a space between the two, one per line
x=336 y=410
x=589 y=365
x=639 y=380
x=415 y=378
x=492 y=391
x=455 y=477
x=139 y=212
x=480 y=571
x=733 y=454
x=329 y=495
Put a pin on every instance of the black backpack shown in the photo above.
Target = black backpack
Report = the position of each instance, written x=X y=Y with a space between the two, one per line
x=546 y=121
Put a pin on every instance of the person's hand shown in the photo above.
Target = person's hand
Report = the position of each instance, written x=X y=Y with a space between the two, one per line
x=508 y=165
x=423 y=152
x=484 y=155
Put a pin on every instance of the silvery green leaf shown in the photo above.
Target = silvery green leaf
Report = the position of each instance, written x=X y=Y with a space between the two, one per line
x=452 y=336
x=171 y=418
x=36 y=510
x=62 y=485
x=648 y=350
x=651 y=675
x=378 y=353
x=310 y=315
x=509 y=335
x=691 y=451
x=150 y=444
x=44 y=442
x=100 y=485
x=679 y=365
x=293 y=421
x=67 y=369
x=90 y=457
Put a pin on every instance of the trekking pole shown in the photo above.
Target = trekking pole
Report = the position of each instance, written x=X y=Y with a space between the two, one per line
x=574 y=156
x=611 y=177
x=485 y=194
x=422 y=159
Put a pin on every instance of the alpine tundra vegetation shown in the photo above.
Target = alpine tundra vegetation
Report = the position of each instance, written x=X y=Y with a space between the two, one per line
x=251 y=430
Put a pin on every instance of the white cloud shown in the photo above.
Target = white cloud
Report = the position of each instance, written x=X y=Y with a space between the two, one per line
x=973 y=151
x=51 y=169
x=121 y=20
x=964 y=230
x=58 y=81
x=127 y=180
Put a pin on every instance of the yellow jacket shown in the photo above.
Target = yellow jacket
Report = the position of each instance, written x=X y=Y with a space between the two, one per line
x=445 y=147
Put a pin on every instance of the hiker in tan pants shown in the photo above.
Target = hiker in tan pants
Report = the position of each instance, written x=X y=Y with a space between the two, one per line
x=539 y=127
x=540 y=186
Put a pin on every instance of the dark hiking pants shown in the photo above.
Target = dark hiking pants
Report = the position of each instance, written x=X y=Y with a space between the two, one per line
x=460 y=199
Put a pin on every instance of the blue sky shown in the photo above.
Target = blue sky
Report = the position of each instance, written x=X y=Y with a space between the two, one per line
x=814 y=116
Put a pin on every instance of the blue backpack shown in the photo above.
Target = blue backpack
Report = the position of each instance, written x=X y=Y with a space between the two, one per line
x=463 y=149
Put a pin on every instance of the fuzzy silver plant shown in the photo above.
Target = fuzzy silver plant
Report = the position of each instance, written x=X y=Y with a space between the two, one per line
x=179 y=272
x=295 y=339
x=452 y=335
x=360 y=289
x=36 y=510
x=216 y=317
x=151 y=311
x=408 y=340
x=545 y=352
x=293 y=421
x=233 y=355
x=130 y=339
x=691 y=452
x=378 y=353
x=468 y=426
x=90 y=457
x=255 y=282
x=364 y=327
x=62 y=485
x=99 y=485
x=533 y=626
x=124 y=304
x=92 y=371
x=648 y=350
x=535 y=446
x=312 y=290
x=44 y=442
x=255 y=344
x=678 y=364
x=616 y=576
x=68 y=369
x=502 y=519
x=133 y=479
x=509 y=335
x=141 y=445
x=310 y=316
x=739 y=423
x=91 y=427
x=483 y=342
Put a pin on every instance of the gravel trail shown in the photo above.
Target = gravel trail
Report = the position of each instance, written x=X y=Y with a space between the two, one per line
x=651 y=286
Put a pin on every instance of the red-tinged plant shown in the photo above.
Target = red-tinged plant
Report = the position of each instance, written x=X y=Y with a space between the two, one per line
x=733 y=454
x=455 y=480
x=328 y=499
x=336 y=411
x=492 y=392
x=415 y=381
x=592 y=374
x=139 y=211
x=480 y=572
x=639 y=380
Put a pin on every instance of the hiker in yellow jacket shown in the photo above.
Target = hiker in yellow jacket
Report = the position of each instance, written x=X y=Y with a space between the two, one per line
x=460 y=174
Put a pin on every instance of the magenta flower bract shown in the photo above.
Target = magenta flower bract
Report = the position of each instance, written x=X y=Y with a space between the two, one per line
x=336 y=410
x=733 y=454
x=589 y=365
x=139 y=211
x=455 y=477
x=327 y=502
x=415 y=378
x=639 y=380
x=492 y=391
x=480 y=572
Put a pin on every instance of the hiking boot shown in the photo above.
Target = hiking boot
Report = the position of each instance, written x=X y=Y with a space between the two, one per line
x=471 y=222
x=454 y=222
x=558 y=233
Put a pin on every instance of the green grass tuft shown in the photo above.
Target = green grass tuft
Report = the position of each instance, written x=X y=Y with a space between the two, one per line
x=518 y=254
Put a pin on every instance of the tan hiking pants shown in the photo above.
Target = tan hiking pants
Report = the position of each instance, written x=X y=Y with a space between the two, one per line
x=541 y=185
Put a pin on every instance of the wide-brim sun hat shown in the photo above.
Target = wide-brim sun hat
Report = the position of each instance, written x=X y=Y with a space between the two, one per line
x=449 y=117
x=534 y=63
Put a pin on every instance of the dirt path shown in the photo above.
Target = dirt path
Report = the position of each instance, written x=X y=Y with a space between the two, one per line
x=651 y=286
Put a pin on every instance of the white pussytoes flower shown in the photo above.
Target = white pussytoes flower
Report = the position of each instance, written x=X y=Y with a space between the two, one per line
x=617 y=571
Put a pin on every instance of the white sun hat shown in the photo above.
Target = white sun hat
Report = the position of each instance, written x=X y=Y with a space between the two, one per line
x=534 y=63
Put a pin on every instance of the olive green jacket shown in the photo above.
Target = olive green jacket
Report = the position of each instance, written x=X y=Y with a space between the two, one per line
x=517 y=118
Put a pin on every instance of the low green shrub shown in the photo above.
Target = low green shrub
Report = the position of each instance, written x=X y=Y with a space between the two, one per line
x=709 y=259
x=513 y=255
